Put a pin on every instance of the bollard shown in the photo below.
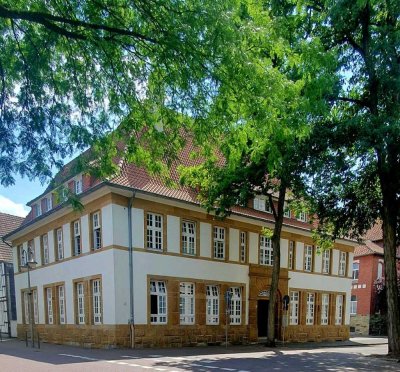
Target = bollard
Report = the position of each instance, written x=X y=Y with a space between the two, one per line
x=38 y=340
x=26 y=339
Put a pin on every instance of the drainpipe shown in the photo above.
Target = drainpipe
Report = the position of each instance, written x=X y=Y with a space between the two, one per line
x=130 y=251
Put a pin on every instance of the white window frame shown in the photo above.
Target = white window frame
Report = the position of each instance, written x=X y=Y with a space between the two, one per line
x=339 y=310
x=379 y=273
x=325 y=309
x=212 y=303
x=308 y=257
x=186 y=303
x=49 y=304
x=154 y=234
x=38 y=209
x=259 y=204
x=80 y=298
x=22 y=255
x=61 y=303
x=219 y=242
x=294 y=308
x=76 y=228
x=96 y=230
x=291 y=255
x=45 y=242
x=78 y=185
x=353 y=305
x=266 y=251
x=188 y=237
x=342 y=263
x=326 y=261
x=26 y=307
x=302 y=216
x=242 y=246
x=96 y=293
x=159 y=289
x=60 y=243
x=286 y=211
x=356 y=269
x=310 y=314
x=235 y=308
x=35 y=306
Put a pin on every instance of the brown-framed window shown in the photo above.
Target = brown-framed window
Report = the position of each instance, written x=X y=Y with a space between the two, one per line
x=80 y=302
x=266 y=251
x=96 y=230
x=292 y=255
x=326 y=261
x=44 y=241
x=96 y=301
x=310 y=313
x=212 y=304
x=294 y=307
x=154 y=231
x=49 y=304
x=158 y=302
x=188 y=236
x=342 y=263
x=243 y=246
x=324 y=309
x=339 y=309
x=235 y=308
x=219 y=242
x=308 y=257
x=186 y=303
x=59 y=244
x=76 y=238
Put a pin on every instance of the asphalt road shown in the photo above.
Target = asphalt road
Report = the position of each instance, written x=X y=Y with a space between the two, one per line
x=15 y=356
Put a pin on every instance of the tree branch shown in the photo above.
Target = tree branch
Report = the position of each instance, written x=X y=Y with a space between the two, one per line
x=352 y=100
x=49 y=20
x=271 y=204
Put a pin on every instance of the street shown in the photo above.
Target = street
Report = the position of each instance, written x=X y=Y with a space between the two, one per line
x=15 y=356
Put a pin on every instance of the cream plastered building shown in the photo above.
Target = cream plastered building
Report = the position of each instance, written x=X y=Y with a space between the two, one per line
x=143 y=265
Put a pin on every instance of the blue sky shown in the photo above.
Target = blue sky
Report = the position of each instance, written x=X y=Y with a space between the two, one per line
x=13 y=199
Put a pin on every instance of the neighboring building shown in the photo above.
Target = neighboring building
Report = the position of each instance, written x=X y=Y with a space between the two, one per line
x=368 y=266
x=8 y=315
x=184 y=263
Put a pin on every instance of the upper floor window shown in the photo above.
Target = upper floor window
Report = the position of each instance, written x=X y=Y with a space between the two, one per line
x=96 y=291
x=186 y=303
x=47 y=204
x=154 y=230
x=219 y=243
x=45 y=249
x=353 y=305
x=294 y=308
x=212 y=299
x=291 y=255
x=380 y=270
x=23 y=259
x=59 y=244
x=78 y=185
x=259 y=203
x=310 y=308
x=266 y=251
x=37 y=210
x=158 y=302
x=76 y=225
x=302 y=216
x=339 y=310
x=356 y=270
x=235 y=308
x=325 y=309
x=286 y=211
x=342 y=263
x=308 y=257
x=326 y=261
x=96 y=232
x=188 y=237
x=243 y=245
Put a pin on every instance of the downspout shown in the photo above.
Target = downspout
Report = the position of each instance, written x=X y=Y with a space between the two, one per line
x=8 y=289
x=131 y=321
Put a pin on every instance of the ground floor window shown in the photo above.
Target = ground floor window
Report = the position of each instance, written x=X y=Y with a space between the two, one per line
x=80 y=302
x=96 y=291
x=186 y=303
x=325 y=309
x=353 y=305
x=158 y=302
x=235 y=309
x=49 y=305
x=310 y=308
x=339 y=310
x=212 y=298
x=294 y=308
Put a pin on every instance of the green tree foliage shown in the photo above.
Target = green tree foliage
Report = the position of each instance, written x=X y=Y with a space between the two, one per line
x=72 y=71
x=267 y=96
x=356 y=176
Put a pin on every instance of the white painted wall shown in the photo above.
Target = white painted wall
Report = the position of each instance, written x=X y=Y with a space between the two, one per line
x=15 y=259
x=205 y=239
x=335 y=262
x=299 y=255
x=173 y=234
x=253 y=248
x=85 y=240
x=146 y=263
x=67 y=240
x=318 y=261
x=66 y=271
x=38 y=256
x=51 y=246
x=137 y=228
x=120 y=225
x=107 y=229
x=284 y=253
x=233 y=245
x=121 y=290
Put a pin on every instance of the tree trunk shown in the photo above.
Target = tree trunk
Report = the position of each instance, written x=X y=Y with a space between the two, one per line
x=276 y=237
x=389 y=224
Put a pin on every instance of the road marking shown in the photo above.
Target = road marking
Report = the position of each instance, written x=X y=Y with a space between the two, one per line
x=129 y=356
x=122 y=363
x=155 y=355
x=228 y=369
x=160 y=369
x=78 y=356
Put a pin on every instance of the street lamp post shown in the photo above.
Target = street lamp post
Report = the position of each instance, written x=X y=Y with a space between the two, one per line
x=28 y=258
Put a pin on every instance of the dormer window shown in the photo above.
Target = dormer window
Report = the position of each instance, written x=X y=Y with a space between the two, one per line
x=78 y=185
x=302 y=216
x=47 y=204
x=37 y=210
x=261 y=204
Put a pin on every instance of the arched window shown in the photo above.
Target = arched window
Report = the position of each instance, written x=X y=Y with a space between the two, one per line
x=380 y=270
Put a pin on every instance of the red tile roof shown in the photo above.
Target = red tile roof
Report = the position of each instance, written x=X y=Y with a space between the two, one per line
x=367 y=249
x=8 y=223
x=375 y=233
